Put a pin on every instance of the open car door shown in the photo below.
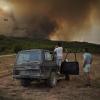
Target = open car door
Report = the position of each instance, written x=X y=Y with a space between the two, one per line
x=70 y=67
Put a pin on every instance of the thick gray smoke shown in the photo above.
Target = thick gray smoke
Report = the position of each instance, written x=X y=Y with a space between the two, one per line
x=40 y=27
x=63 y=19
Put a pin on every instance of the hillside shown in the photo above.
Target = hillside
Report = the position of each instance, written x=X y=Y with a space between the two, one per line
x=13 y=45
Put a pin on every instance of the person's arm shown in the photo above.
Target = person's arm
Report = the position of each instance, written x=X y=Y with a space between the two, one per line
x=55 y=49
x=84 y=60
x=54 y=53
x=63 y=54
x=91 y=59
x=84 y=63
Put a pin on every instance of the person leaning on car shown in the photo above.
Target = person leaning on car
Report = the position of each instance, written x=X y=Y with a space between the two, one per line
x=59 y=54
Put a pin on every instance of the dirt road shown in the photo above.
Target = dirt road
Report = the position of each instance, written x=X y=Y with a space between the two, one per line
x=65 y=90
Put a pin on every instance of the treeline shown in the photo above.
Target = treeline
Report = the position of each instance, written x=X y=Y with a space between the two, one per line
x=13 y=45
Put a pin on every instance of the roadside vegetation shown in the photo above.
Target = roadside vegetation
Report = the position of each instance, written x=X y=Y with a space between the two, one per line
x=13 y=45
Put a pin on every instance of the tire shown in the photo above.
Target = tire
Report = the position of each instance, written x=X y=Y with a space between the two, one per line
x=25 y=82
x=52 y=81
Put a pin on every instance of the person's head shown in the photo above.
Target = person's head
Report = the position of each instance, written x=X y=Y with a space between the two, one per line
x=59 y=44
x=56 y=46
x=86 y=50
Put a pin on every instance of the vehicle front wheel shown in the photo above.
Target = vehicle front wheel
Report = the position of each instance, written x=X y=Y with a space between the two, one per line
x=25 y=82
x=52 y=81
x=67 y=77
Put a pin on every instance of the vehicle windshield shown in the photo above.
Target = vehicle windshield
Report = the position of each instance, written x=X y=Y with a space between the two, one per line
x=28 y=57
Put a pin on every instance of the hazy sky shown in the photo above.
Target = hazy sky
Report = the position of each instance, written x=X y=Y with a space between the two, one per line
x=69 y=20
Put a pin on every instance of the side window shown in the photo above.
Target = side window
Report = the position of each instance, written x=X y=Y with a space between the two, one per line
x=48 y=56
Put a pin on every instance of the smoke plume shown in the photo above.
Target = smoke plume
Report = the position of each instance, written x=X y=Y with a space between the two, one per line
x=76 y=20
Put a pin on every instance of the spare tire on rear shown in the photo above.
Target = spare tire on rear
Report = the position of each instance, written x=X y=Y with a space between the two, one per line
x=70 y=68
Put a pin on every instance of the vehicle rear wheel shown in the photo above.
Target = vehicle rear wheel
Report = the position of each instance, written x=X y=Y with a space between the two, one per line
x=52 y=81
x=67 y=77
x=25 y=82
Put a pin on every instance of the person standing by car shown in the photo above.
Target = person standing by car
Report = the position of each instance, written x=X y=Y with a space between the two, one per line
x=87 y=66
x=59 y=54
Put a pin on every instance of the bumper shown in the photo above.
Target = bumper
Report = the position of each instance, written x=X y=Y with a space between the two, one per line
x=34 y=77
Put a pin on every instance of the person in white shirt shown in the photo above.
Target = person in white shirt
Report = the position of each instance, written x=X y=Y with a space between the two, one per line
x=59 y=54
